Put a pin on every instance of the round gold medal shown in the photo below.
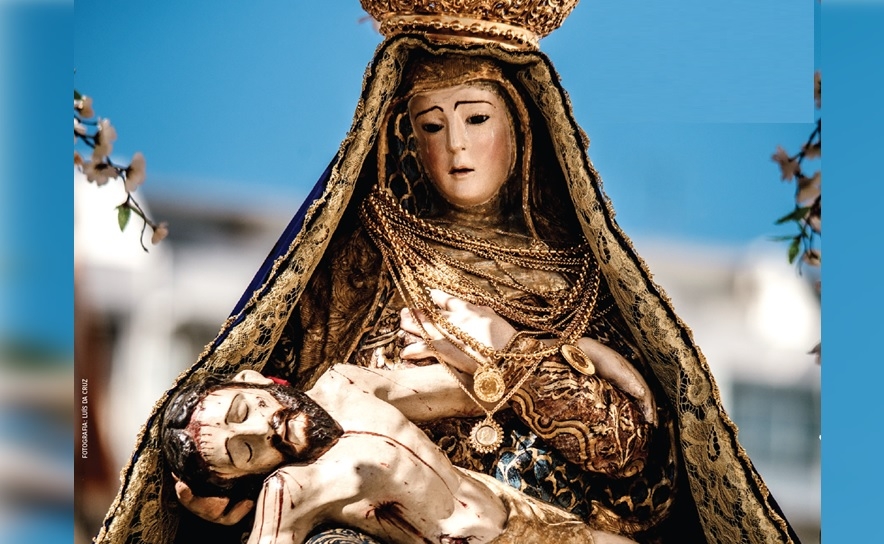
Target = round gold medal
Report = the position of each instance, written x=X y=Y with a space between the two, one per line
x=577 y=359
x=488 y=384
x=486 y=436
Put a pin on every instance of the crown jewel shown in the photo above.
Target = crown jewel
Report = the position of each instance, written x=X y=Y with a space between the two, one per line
x=514 y=23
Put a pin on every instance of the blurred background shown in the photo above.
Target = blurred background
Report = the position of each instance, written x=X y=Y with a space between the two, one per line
x=239 y=107
x=36 y=303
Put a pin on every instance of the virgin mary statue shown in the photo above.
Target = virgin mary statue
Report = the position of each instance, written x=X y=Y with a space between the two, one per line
x=465 y=182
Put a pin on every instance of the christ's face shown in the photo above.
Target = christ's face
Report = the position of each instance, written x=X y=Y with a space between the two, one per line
x=238 y=434
x=465 y=140
x=242 y=431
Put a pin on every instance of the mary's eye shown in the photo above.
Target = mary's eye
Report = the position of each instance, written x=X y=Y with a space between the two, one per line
x=431 y=127
x=477 y=119
x=262 y=404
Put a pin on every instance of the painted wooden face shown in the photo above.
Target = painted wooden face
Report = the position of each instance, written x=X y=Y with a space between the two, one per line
x=244 y=430
x=466 y=141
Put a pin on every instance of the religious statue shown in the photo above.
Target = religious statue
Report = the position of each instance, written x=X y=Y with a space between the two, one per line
x=462 y=230
x=338 y=453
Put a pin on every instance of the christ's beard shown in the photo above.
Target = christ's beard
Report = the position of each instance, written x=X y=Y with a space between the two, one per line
x=321 y=431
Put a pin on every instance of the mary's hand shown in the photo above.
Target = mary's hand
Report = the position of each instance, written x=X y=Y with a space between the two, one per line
x=212 y=508
x=480 y=322
x=613 y=367
x=487 y=327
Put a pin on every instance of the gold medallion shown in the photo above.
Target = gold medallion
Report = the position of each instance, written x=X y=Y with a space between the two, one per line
x=578 y=359
x=486 y=436
x=488 y=384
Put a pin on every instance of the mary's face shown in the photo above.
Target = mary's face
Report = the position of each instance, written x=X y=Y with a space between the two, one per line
x=465 y=141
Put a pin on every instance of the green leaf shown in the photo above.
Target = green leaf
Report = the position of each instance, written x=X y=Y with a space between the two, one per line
x=123 y=213
x=794 y=247
x=795 y=215
x=77 y=95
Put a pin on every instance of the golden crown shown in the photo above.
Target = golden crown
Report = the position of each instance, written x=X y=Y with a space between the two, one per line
x=514 y=23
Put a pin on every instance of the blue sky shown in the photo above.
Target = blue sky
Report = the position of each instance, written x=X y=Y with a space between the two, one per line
x=684 y=103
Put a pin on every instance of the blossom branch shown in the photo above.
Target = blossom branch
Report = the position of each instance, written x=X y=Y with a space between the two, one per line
x=100 y=169
x=808 y=211
x=808 y=192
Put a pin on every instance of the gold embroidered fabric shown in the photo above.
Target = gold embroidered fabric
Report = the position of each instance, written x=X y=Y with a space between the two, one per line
x=585 y=418
x=533 y=521
x=330 y=288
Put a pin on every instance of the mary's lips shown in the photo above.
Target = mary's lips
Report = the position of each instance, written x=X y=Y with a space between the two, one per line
x=460 y=170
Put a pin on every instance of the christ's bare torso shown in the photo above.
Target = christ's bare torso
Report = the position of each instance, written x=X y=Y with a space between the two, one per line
x=383 y=476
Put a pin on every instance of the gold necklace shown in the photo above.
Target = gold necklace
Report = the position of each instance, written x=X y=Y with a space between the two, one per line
x=486 y=436
x=416 y=267
x=403 y=238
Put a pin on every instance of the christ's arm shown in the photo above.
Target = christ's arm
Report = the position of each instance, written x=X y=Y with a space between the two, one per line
x=423 y=393
x=280 y=515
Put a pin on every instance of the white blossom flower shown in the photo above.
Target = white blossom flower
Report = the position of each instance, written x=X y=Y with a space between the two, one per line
x=159 y=233
x=104 y=140
x=136 y=172
x=84 y=107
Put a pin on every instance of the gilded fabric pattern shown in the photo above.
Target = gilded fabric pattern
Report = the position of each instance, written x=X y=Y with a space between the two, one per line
x=631 y=505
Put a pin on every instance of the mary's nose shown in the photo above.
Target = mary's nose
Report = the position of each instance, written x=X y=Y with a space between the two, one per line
x=457 y=137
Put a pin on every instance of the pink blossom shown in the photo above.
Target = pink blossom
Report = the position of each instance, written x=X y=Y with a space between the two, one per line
x=812 y=151
x=99 y=172
x=84 y=107
x=815 y=222
x=812 y=257
x=809 y=189
x=788 y=166
x=159 y=233
x=104 y=140
x=136 y=172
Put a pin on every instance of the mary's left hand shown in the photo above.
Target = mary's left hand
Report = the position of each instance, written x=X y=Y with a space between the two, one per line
x=480 y=322
x=487 y=327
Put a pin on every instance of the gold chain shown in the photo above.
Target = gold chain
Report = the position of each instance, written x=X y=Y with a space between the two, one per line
x=417 y=267
x=476 y=440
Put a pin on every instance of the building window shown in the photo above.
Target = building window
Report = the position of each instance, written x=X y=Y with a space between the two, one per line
x=778 y=425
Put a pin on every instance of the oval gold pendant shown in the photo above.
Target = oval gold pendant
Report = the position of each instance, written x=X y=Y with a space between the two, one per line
x=577 y=359
x=486 y=436
x=488 y=384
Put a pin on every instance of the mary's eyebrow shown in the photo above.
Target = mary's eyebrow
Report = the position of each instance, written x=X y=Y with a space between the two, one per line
x=428 y=110
x=456 y=104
